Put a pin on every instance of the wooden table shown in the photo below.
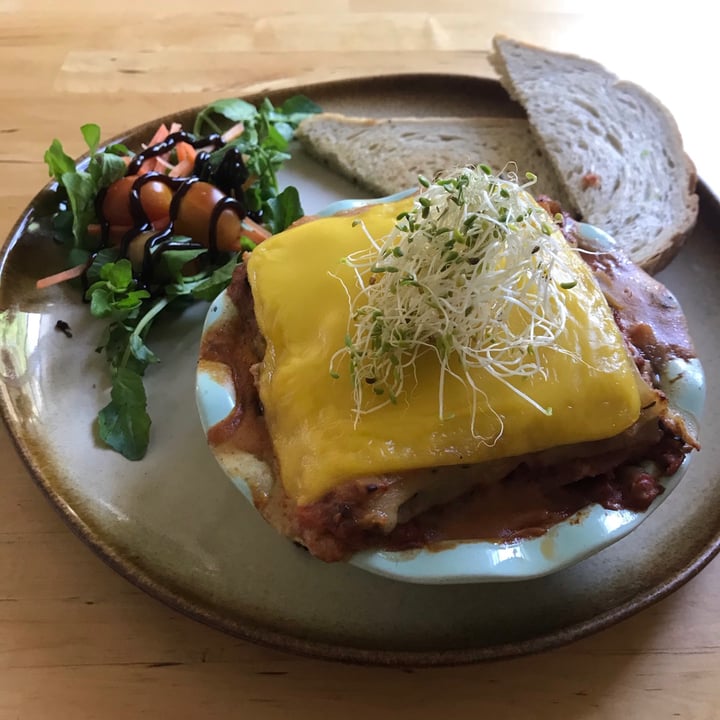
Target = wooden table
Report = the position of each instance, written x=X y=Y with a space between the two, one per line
x=77 y=640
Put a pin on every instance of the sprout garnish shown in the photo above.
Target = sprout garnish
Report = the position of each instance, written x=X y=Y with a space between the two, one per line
x=472 y=273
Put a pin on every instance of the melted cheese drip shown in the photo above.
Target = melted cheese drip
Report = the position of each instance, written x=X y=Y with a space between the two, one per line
x=302 y=311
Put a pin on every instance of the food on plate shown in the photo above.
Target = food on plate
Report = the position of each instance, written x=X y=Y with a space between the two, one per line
x=164 y=225
x=607 y=150
x=617 y=149
x=386 y=155
x=445 y=368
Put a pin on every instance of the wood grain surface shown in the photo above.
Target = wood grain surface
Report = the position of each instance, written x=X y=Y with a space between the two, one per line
x=78 y=641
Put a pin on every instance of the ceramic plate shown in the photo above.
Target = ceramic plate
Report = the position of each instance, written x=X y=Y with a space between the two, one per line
x=176 y=526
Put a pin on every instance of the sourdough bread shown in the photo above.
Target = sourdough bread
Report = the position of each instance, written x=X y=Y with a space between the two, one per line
x=385 y=156
x=615 y=146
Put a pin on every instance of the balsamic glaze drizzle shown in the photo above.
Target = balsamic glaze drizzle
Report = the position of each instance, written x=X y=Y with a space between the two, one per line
x=229 y=177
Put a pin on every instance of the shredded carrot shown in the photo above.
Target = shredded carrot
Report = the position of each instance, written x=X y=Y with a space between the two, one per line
x=181 y=151
x=233 y=132
x=253 y=231
x=161 y=163
x=60 y=277
x=150 y=165
x=182 y=169
x=160 y=134
x=185 y=151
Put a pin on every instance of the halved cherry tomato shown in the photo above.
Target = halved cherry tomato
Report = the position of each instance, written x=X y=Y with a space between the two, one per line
x=155 y=198
x=136 y=254
x=136 y=249
x=195 y=212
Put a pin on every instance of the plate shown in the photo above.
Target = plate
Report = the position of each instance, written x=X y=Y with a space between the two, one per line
x=177 y=527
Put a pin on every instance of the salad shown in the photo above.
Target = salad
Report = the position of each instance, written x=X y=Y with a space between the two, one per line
x=165 y=226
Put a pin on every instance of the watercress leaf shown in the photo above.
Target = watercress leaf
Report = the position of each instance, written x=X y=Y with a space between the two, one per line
x=62 y=224
x=131 y=300
x=124 y=423
x=141 y=351
x=102 y=257
x=253 y=198
x=277 y=138
x=283 y=210
x=91 y=135
x=105 y=169
x=220 y=278
x=81 y=190
x=100 y=301
x=175 y=291
x=57 y=161
x=170 y=263
x=118 y=149
x=233 y=109
x=77 y=256
x=118 y=275
x=297 y=108
x=266 y=107
x=286 y=130
x=114 y=342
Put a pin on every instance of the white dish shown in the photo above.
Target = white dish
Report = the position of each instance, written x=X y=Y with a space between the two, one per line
x=586 y=532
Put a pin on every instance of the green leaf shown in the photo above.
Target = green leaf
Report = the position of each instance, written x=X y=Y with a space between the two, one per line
x=217 y=282
x=141 y=351
x=284 y=209
x=91 y=134
x=115 y=294
x=124 y=423
x=100 y=301
x=81 y=190
x=105 y=169
x=118 y=149
x=83 y=186
x=102 y=257
x=233 y=109
x=57 y=161
x=278 y=137
x=77 y=256
x=170 y=263
x=62 y=224
x=297 y=108
x=114 y=342
x=132 y=300
x=118 y=275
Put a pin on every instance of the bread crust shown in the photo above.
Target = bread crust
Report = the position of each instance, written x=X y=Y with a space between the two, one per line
x=647 y=202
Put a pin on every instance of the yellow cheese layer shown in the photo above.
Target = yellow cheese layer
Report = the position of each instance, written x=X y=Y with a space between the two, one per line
x=302 y=310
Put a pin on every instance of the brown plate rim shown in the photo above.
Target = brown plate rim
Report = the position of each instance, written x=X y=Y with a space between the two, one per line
x=259 y=634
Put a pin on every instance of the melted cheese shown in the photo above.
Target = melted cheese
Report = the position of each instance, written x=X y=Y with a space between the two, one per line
x=302 y=311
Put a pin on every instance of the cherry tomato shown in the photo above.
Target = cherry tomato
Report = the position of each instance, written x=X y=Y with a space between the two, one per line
x=136 y=256
x=136 y=250
x=155 y=197
x=195 y=212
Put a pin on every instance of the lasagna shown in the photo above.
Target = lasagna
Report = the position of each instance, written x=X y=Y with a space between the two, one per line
x=465 y=450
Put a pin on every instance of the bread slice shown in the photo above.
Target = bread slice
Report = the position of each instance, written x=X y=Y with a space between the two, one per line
x=385 y=156
x=616 y=147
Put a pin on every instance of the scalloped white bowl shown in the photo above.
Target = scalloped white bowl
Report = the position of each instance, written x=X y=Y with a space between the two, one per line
x=583 y=534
